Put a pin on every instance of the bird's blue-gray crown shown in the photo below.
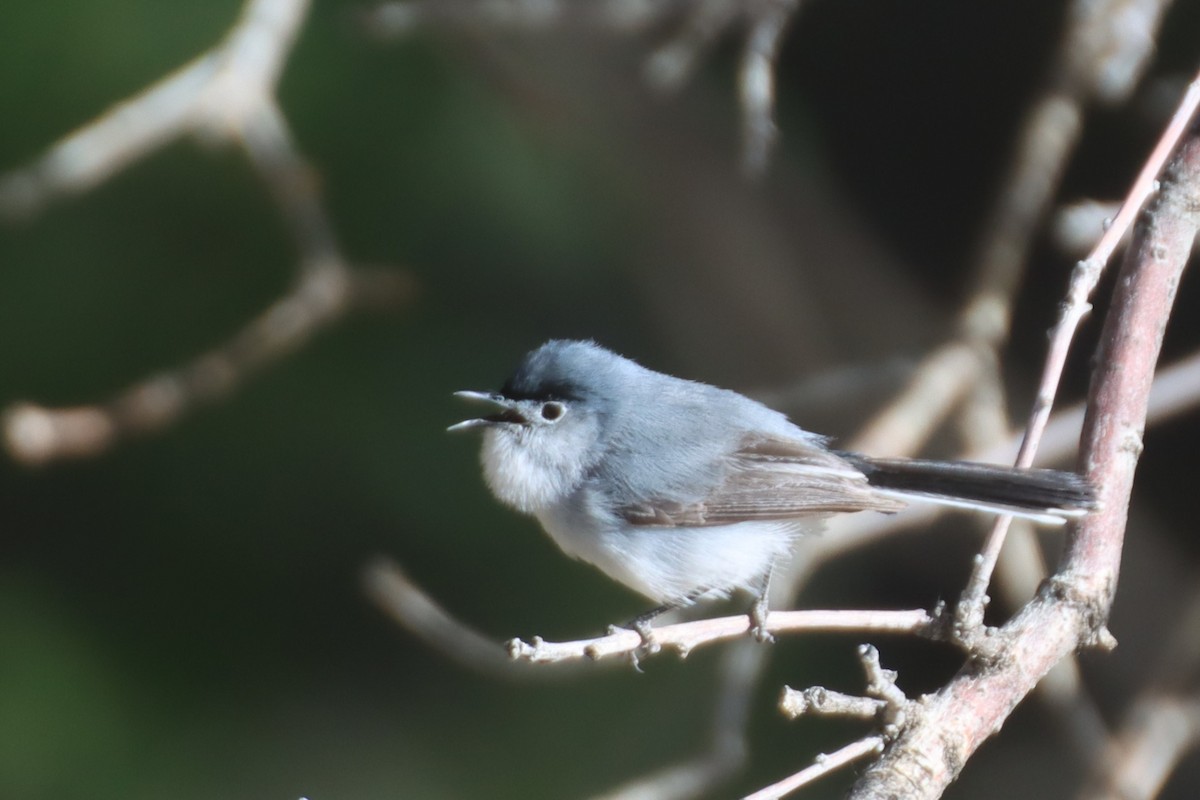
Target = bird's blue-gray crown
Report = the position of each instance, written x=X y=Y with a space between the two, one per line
x=561 y=369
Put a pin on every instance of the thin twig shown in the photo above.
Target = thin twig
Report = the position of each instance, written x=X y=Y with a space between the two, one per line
x=825 y=764
x=883 y=700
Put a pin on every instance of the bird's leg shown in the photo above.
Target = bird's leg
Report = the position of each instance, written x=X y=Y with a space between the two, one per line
x=759 y=610
x=641 y=624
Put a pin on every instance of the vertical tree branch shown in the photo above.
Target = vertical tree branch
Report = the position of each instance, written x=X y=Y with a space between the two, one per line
x=1071 y=609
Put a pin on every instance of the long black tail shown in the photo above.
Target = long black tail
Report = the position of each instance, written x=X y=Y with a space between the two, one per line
x=1042 y=494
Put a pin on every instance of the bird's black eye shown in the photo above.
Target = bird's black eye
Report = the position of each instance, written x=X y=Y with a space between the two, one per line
x=553 y=411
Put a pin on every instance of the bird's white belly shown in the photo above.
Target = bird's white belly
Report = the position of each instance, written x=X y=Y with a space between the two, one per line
x=674 y=565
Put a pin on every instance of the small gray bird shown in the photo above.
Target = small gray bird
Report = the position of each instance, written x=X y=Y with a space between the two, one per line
x=683 y=491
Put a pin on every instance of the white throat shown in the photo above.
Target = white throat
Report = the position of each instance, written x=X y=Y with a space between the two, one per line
x=530 y=469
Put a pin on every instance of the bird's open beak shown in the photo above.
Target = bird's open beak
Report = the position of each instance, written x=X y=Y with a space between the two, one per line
x=505 y=411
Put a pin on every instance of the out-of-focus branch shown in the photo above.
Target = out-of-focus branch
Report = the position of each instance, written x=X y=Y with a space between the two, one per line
x=214 y=94
x=227 y=94
x=35 y=435
x=1102 y=56
x=702 y=23
x=1161 y=725
x=409 y=606
x=1159 y=732
x=756 y=81
x=1071 y=609
x=1077 y=226
x=911 y=417
x=740 y=667
x=395 y=19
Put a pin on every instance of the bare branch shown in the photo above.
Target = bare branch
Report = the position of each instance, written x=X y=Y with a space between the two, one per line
x=881 y=683
x=683 y=637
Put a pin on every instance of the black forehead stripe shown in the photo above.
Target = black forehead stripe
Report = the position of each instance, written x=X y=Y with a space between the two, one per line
x=516 y=389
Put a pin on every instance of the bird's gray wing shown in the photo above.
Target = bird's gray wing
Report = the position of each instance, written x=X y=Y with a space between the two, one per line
x=770 y=478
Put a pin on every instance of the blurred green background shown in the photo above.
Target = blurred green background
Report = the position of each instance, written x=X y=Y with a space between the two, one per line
x=183 y=617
